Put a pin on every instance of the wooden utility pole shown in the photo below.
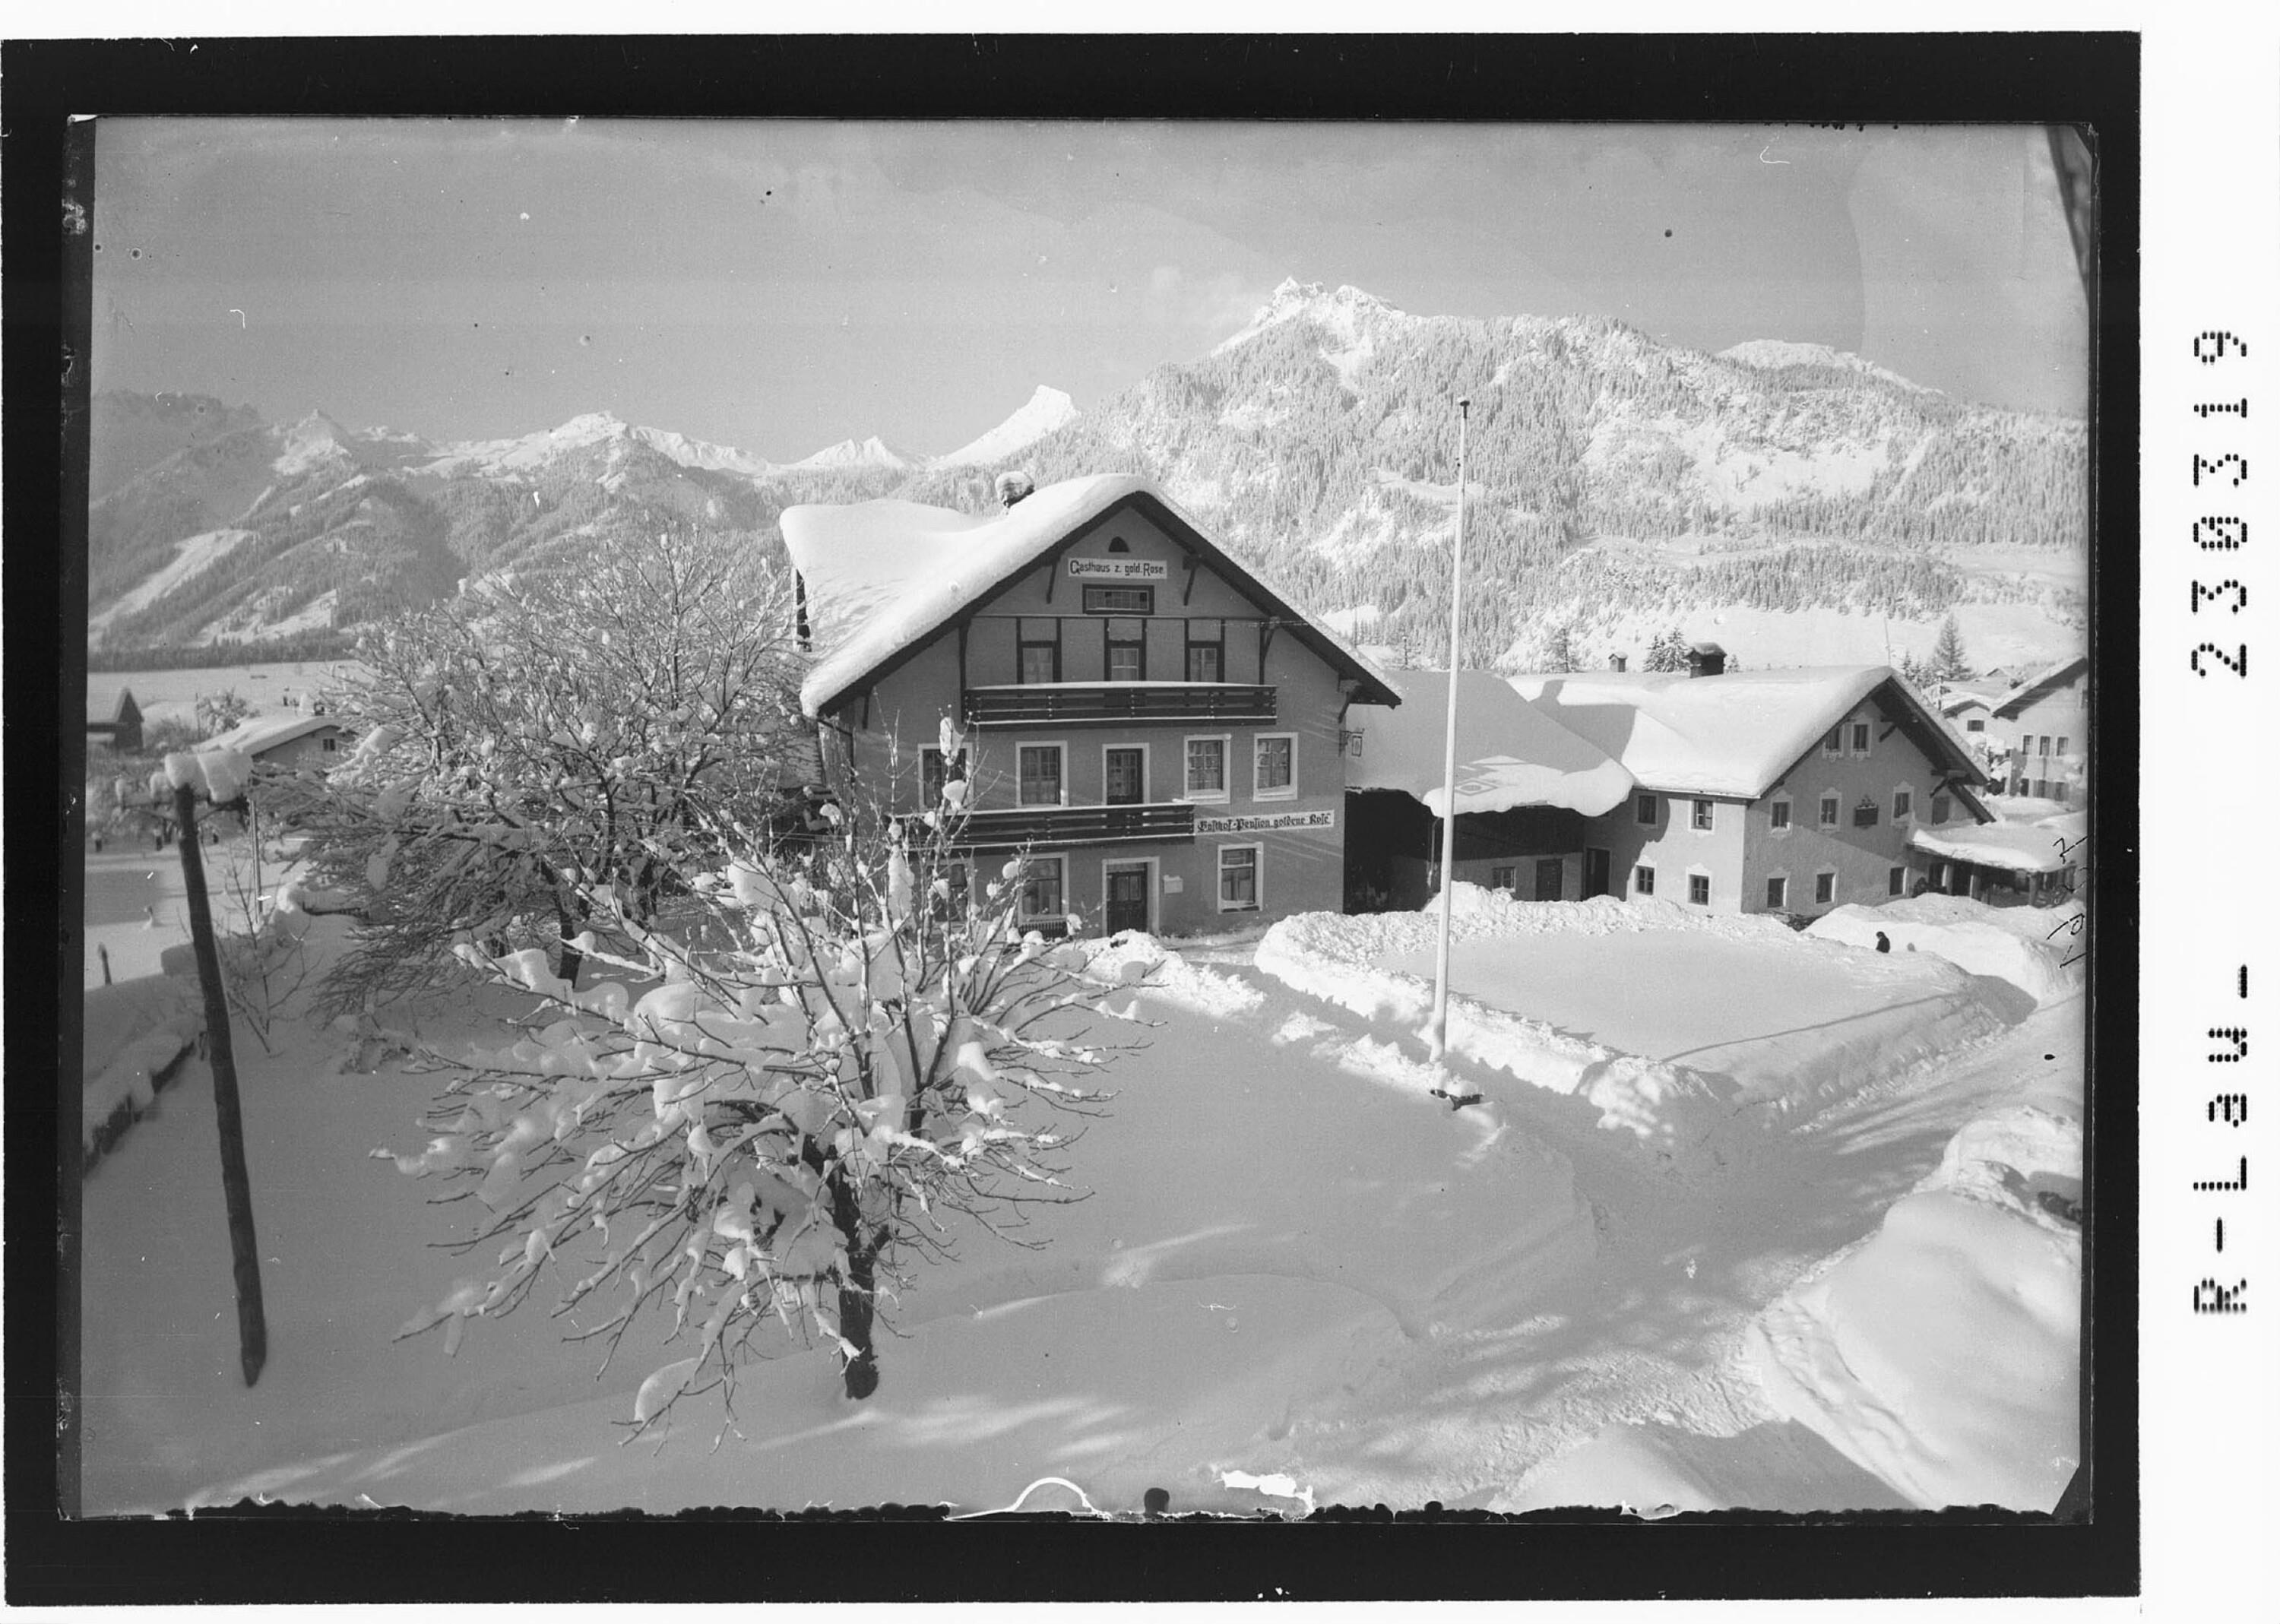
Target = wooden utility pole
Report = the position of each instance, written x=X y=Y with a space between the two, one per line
x=236 y=1187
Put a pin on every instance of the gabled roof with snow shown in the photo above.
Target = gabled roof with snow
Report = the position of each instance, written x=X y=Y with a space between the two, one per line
x=1732 y=734
x=1509 y=753
x=2042 y=681
x=117 y=708
x=257 y=734
x=882 y=577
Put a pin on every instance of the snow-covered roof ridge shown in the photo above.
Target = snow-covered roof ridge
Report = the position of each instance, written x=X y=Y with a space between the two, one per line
x=1509 y=753
x=257 y=734
x=882 y=575
x=1731 y=735
x=2029 y=686
x=1046 y=410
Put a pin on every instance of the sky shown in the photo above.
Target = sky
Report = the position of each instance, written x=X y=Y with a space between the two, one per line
x=779 y=286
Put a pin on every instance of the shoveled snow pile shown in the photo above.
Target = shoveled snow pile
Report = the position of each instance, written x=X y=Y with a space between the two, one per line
x=1672 y=1021
x=2030 y=948
x=1942 y=1353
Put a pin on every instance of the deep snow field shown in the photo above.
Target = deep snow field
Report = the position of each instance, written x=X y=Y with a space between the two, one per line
x=1742 y=1218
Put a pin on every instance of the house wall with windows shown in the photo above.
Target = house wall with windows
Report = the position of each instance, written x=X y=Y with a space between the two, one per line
x=1835 y=829
x=1685 y=848
x=2044 y=727
x=1235 y=756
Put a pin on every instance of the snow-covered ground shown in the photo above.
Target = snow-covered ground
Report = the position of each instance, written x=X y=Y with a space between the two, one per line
x=1295 y=1262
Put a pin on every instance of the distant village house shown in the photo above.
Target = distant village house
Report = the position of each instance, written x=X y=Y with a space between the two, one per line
x=115 y=722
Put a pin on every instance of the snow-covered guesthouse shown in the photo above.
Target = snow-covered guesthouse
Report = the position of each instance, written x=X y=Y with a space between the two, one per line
x=288 y=741
x=1763 y=791
x=1157 y=725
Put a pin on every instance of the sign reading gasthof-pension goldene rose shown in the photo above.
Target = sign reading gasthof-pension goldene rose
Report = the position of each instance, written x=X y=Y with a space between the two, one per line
x=1119 y=569
x=1325 y=819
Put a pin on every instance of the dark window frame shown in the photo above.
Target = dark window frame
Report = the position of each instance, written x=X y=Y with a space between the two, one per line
x=1033 y=877
x=1111 y=642
x=1100 y=600
x=1024 y=641
x=1777 y=892
x=1643 y=879
x=1705 y=814
x=1216 y=644
x=1258 y=877
x=1648 y=809
x=1698 y=890
x=1022 y=777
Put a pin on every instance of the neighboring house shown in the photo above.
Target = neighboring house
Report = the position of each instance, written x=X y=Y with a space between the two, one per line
x=117 y=724
x=1762 y=791
x=2044 y=722
x=1526 y=790
x=288 y=741
x=1158 y=726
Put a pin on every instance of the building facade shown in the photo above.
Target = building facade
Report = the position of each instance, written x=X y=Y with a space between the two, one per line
x=1160 y=730
x=2043 y=724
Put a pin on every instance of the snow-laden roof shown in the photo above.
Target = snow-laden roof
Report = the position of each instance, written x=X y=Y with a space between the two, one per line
x=107 y=705
x=2026 y=848
x=257 y=734
x=882 y=576
x=1735 y=734
x=1509 y=753
x=2029 y=687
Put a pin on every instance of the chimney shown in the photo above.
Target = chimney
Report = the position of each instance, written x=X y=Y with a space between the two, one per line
x=1704 y=659
x=1619 y=662
x=1012 y=485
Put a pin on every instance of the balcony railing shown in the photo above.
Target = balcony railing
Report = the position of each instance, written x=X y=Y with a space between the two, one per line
x=1004 y=828
x=1082 y=703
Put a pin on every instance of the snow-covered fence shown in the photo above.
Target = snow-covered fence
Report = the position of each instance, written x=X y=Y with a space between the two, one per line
x=136 y=1036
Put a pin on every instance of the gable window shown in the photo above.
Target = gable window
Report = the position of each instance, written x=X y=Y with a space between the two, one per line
x=1505 y=877
x=1128 y=650
x=1042 y=893
x=1896 y=882
x=330 y=742
x=1205 y=778
x=1978 y=724
x=1238 y=879
x=1829 y=811
x=1703 y=813
x=1859 y=738
x=1777 y=814
x=1274 y=766
x=1698 y=889
x=1904 y=804
x=1649 y=809
x=1206 y=650
x=1942 y=809
x=1777 y=890
x=1824 y=886
x=1865 y=814
x=1643 y=879
x=1043 y=781
x=1120 y=600
x=1834 y=745
x=1040 y=650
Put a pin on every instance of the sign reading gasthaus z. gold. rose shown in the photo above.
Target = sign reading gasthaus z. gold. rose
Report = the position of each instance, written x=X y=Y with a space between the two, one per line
x=1326 y=818
x=1119 y=569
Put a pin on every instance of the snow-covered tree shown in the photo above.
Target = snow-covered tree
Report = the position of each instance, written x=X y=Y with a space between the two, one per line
x=1667 y=652
x=1560 y=650
x=1949 y=662
x=814 y=1070
x=525 y=739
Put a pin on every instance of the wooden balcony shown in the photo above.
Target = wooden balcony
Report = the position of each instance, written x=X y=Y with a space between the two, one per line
x=1050 y=826
x=1106 y=704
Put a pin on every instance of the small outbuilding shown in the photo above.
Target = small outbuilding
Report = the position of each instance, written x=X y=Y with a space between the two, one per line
x=116 y=722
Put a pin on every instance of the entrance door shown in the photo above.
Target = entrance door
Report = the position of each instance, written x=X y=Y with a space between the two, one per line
x=1547 y=879
x=1127 y=774
x=1128 y=898
x=1595 y=871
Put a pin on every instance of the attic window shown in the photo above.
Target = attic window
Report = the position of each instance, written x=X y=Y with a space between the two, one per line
x=1117 y=543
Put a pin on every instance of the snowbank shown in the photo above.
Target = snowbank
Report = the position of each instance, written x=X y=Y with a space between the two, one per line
x=133 y=1033
x=1943 y=1352
x=2027 y=947
x=1671 y=1110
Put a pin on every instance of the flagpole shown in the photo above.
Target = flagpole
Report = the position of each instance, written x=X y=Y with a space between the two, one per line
x=1436 y=1036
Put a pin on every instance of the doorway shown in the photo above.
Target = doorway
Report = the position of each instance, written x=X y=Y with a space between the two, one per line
x=1595 y=871
x=1125 y=888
